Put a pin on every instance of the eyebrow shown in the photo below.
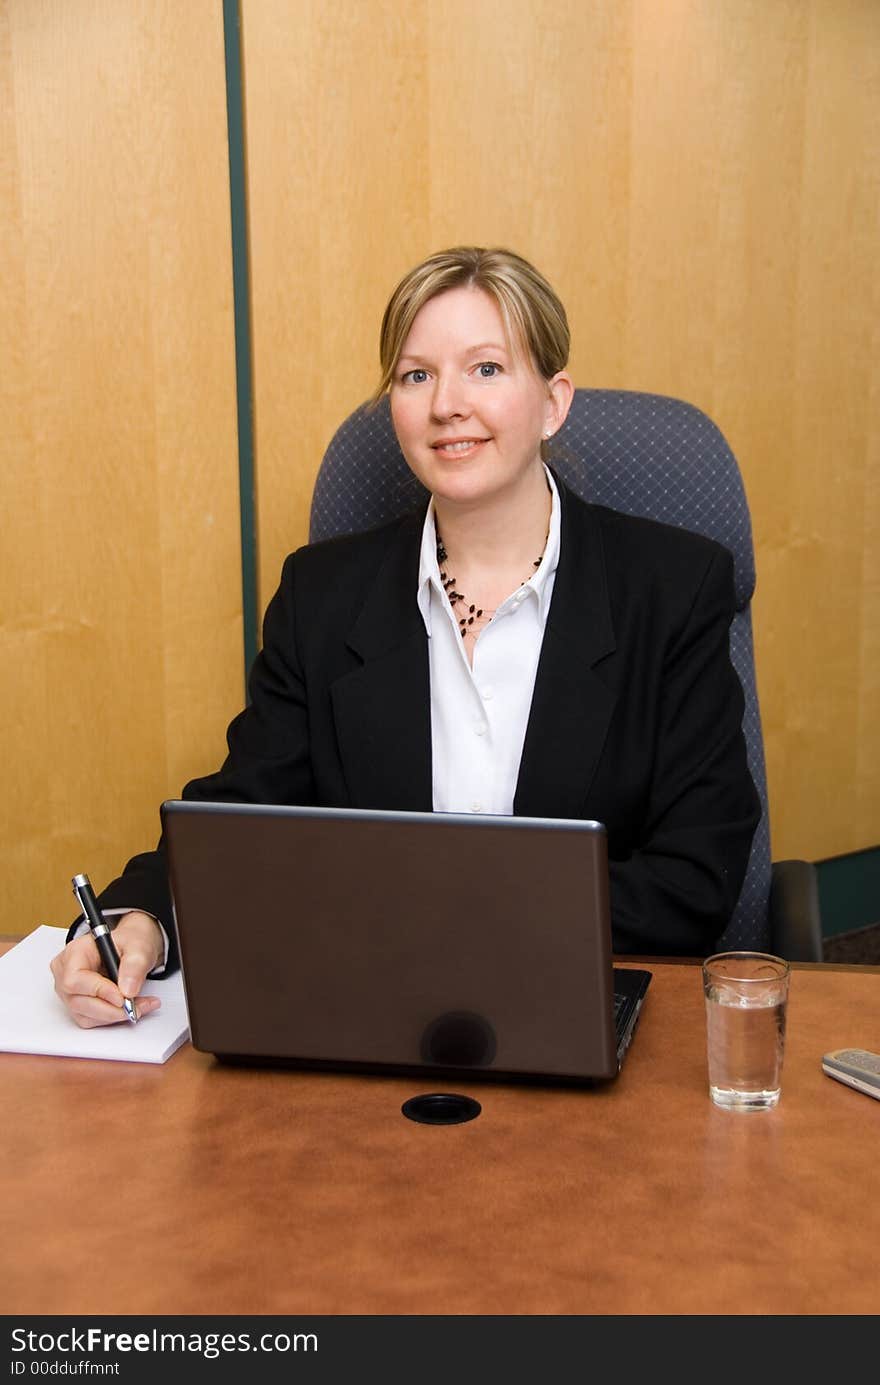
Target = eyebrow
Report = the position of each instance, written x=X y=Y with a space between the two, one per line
x=469 y=351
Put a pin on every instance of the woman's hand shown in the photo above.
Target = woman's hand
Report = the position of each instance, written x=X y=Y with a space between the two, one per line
x=90 y=996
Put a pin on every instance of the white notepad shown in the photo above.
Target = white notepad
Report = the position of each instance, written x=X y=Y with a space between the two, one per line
x=33 y=1019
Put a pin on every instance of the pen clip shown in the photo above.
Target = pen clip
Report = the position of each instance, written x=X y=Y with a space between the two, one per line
x=85 y=897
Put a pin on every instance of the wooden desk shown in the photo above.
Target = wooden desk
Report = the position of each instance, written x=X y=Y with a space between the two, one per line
x=272 y=1192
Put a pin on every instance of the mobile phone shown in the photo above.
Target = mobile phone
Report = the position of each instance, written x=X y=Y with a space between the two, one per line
x=856 y=1067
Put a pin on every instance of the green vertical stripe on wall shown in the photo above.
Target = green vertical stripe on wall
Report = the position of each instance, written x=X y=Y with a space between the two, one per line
x=241 y=297
x=849 y=891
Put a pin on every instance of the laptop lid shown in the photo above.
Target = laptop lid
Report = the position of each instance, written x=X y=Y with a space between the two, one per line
x=391 y=941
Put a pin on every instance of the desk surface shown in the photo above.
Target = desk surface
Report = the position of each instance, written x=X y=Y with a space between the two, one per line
x=276 y=1192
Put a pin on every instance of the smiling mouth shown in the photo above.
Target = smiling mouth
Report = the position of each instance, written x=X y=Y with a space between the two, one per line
x=457 y=447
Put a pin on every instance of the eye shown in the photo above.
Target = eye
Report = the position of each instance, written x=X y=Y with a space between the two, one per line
x=414 y=377
x=487 y=370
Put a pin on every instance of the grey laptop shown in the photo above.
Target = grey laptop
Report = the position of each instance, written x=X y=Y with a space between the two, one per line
x=420 y=943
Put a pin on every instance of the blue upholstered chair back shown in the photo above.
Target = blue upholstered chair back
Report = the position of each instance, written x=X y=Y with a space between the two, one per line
x=640 y=453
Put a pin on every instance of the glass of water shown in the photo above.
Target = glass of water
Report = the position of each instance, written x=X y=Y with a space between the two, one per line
x=746 y=1000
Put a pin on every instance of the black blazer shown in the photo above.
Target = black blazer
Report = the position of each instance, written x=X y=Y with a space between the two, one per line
x=635 y=719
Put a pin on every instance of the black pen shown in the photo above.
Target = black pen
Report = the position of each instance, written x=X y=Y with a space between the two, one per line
x=101 y=933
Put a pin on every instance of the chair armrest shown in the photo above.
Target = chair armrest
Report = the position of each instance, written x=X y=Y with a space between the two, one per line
x=794 y=916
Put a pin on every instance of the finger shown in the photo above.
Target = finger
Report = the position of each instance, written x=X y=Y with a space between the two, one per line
x=81 y=985
x=73 y=979
x=132 y=975
x=84 y=984
x=91 y=1011
x=96 y=998
x=138 y=942
x=80 y=955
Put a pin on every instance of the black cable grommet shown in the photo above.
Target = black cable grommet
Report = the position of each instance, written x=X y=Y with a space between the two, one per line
x=441 y=1108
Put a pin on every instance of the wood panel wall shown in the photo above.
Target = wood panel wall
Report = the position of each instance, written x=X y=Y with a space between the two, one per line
x=121 y=630
x=699 y=178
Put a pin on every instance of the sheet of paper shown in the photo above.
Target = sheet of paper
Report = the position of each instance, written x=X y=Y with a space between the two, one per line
x=33 y=1019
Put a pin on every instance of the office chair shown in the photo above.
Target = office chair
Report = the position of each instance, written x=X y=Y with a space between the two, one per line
x=646 y=455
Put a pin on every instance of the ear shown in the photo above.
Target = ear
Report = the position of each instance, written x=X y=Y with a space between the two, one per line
x=561 y=393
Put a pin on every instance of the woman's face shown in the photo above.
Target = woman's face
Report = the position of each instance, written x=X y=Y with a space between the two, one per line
x=469 y=411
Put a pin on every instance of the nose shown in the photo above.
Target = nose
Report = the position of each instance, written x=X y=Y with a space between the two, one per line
x=449 y=399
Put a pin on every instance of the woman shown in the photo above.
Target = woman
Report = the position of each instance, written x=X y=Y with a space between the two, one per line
x=511 y=650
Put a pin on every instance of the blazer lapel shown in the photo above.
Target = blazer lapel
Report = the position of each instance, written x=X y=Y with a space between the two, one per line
x=382 y=709
x=571 y=705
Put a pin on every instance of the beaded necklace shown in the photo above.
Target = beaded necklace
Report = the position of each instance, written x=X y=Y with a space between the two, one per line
x=472 y=612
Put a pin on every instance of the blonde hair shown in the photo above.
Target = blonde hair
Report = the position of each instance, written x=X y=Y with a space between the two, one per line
x=533 y=316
